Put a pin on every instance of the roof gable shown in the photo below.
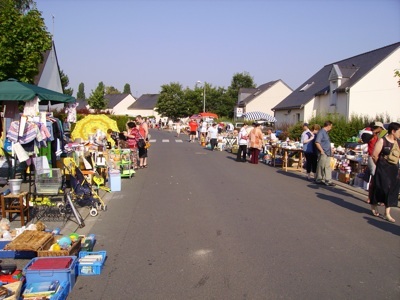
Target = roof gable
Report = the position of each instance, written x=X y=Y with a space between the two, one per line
x=114 y=99
x=353 y=68
x=256 y=92
x=146 y=101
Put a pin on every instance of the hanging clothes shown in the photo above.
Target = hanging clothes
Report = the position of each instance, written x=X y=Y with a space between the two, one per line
x=31 y=108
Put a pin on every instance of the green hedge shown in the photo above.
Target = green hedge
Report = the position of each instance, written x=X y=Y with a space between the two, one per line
x=342 y=130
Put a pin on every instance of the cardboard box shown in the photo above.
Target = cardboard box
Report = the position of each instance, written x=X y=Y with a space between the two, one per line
x=344 y=177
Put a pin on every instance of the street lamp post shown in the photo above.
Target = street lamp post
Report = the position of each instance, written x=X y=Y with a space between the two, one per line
x=204 y=95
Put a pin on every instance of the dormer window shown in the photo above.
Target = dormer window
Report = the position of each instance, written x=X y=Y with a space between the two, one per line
x=306 y=87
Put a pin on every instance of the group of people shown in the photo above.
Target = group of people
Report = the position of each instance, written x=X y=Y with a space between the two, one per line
x=134 y=138
x=383 y=161
x=251 y=141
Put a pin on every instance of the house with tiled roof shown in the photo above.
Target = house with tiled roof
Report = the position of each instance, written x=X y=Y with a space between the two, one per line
x=145 y=106
x=360 y=85
x=262 y=98
x=117 y=104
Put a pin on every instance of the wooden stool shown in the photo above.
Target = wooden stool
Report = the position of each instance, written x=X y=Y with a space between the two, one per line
x=15 y=204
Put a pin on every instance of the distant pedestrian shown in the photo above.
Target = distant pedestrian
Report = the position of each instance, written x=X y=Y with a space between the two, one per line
x=213 y=135
x=386 y=181
x=132 y=137
x=143 y=131
x=243 y=140
x=307 y=138
x=193 y=130
x=256 y=143
x=178 y=128
x=323 y=144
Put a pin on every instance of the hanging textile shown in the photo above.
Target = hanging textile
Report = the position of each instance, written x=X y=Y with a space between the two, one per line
x=70 y=109
x=31 y=108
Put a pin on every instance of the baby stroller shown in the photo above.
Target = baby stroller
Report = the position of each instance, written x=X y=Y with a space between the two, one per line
x=83 y=192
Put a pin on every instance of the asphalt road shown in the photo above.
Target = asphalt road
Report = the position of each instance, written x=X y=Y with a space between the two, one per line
x=198 y=225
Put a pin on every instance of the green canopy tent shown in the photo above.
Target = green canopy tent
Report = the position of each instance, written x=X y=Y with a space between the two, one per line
x=14 y=90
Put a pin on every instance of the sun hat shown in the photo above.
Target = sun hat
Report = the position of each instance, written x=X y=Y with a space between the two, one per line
x=379 y=124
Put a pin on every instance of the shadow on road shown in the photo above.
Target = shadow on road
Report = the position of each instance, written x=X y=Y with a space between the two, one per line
x=383 y=224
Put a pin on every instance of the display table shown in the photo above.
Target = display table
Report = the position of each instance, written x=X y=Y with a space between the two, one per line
x=15 y=204
x=286 y=156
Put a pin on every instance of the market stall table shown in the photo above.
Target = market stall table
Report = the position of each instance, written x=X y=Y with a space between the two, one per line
x=292 y=152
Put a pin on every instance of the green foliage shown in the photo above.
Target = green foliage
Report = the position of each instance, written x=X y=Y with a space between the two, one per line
x=111 y=90
x=239 y=80
x=397 y=74
x=23 y=40
x=342 y=130
x=65 y=83
x=96 y=99
x=127 y=89
x=171 y=102
x=81 y=92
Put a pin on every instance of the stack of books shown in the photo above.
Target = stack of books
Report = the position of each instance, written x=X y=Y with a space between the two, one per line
x=41 y=290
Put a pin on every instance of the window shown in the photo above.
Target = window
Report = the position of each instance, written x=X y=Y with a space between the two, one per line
x=306 y=87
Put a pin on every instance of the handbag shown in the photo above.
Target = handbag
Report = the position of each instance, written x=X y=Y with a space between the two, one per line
x=147 y=146
x=141 y=143
x=394 y=155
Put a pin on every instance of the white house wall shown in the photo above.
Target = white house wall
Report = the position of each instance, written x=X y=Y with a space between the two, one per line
x=122 y=107
x=378 y=92
x=269 y=99
x=143 y=113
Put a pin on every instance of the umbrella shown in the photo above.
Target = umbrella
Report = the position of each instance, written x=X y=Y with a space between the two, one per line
x=14 y=90
x=195 y=117
x=91 y=123
x=258 y=115
x=208 y=114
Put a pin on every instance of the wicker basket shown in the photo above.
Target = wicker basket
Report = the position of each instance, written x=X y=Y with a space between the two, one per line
x=30 y=240
x=71 y=251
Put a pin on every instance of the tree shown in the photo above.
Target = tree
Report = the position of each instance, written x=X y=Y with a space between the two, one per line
x=397 y=74
x=65 y=83
x=24 y=5
x=81 y=92
x=239 y=80
x=23 y=40
x=112 y=90
x=127 y=89
x=96 y=99
x=171 y=102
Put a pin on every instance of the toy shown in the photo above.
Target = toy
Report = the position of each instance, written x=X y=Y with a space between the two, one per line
x=5 y=229
x=64 y=242
x=74 y=237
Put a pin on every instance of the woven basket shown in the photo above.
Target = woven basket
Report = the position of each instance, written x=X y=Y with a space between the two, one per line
x=72 y=251
x=30 y=240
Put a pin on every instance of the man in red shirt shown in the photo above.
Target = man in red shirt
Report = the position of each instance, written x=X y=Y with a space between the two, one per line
x=193 y=130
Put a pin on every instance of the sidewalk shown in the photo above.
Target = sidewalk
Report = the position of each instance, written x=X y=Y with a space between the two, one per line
x=67 y=225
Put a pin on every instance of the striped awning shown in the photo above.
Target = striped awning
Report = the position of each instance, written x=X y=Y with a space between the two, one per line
x=258 y=115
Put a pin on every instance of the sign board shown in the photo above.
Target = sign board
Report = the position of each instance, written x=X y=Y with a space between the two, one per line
x=239 y=112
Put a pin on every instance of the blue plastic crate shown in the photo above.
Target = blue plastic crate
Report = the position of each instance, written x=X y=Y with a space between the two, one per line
x=67 y=274
x=62 y=292
x=92 y=268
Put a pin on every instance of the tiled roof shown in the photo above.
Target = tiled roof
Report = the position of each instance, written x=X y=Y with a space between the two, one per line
x=114 y=99
x=354 y=68
x=255 y=92
x=146 y=101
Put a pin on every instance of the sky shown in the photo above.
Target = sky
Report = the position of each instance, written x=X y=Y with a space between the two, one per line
x=150 y=43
